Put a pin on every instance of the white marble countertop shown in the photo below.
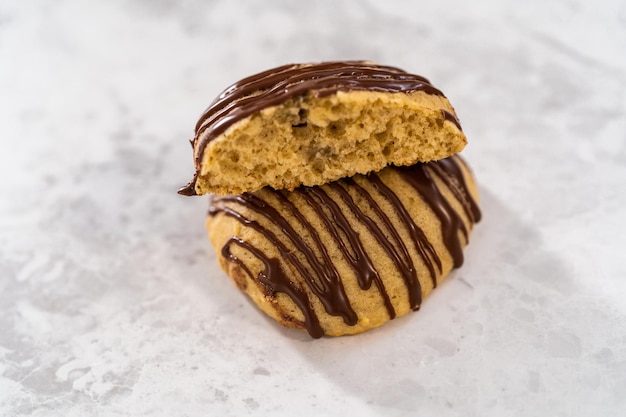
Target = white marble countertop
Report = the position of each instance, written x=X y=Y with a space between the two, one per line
x=111 y=301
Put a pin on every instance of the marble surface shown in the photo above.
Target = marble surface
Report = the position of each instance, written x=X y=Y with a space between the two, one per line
x=111 y=301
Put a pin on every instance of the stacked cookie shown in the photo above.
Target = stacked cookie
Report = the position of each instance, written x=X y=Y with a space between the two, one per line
x=338 y=201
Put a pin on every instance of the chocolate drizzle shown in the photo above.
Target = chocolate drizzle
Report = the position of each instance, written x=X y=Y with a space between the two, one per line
x=423 y=246
x=351 y=247
x=275 y=86
x=451 y=118
x=450 y=173
x=275 y=279
x=302 y=251
x=327 y=287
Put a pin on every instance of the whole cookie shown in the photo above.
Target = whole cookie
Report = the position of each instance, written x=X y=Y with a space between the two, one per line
x=349 y=255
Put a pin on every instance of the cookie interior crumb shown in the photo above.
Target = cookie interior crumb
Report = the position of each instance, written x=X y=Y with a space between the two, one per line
x=311 y=141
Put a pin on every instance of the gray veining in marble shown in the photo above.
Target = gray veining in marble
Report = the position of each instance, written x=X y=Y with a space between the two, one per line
x=112 y=303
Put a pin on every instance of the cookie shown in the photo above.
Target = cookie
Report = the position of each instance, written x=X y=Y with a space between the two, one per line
x=310 y=124
x=347 y=256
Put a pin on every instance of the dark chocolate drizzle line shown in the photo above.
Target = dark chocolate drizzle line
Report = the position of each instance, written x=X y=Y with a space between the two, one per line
x=226 y=253
x=275 y=86
x=274 y=278
x=328 y=266
x=316 y=266
x=452 y=182
x=357 y=258
x=327 y=287
x=452 y=118
x=189 y=190
x=451 y=223
x=423 y=246
x=398 y=252
x=364 y=281
x=452 y=167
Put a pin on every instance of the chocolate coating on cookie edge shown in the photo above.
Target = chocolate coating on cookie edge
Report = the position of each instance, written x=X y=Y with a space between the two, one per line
x=277 y=85
x=315 y=265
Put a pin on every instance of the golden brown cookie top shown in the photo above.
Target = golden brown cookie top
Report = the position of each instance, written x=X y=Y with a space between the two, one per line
x=306 y=95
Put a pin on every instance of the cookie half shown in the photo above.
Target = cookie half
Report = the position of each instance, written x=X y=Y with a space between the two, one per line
x=349 y=255
x=309 y=124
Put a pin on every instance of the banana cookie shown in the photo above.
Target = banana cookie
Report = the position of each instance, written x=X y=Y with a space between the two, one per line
x=337 y=199
x=309 y=124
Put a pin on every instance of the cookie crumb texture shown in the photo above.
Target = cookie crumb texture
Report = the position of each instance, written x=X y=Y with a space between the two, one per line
x=311 y=141
x=309 y=124
x=350 y=255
